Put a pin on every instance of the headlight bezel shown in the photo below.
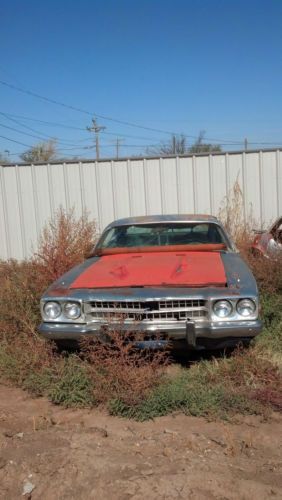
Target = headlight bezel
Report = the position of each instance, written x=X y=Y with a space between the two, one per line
x=236 y=313
x=62 y=317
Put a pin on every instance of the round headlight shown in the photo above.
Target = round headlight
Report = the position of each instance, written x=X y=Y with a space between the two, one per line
x=246 y=307
x=52 y=310
x=72 y=310
x=222 y=308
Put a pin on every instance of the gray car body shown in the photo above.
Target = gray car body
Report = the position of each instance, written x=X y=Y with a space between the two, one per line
x=210 y=332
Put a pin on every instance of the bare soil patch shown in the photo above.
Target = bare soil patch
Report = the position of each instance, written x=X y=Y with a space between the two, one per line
x=70 y=454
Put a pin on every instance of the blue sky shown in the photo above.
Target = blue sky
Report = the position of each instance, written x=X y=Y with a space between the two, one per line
x=179 y=66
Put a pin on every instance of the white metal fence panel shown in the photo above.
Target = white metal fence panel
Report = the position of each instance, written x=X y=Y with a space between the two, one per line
x=30 y=194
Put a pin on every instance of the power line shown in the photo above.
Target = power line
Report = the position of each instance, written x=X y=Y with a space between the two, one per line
x=62 y=125
x=20 y=131
x=277 y=143
x=103 y=117
x=56 y=124
x=47 y=99
x=17 y=142
x=74 y=108
x=32 y=135
x=41 y=134
x=72 y=127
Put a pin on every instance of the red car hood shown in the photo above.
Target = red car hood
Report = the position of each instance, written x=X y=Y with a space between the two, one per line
x=154 y=269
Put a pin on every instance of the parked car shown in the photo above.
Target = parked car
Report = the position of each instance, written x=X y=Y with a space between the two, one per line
x=177 y=277
x=268 y=243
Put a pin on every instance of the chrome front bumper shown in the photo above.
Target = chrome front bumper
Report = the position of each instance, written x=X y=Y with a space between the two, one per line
x=190 y=331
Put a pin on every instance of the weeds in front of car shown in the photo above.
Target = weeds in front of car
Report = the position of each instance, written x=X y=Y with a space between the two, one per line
x=25 y=359
x=128 y=382
x=243 y=383
x=73 y=385
x=121 y=371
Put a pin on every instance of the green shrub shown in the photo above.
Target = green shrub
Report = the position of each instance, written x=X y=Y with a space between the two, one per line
x=271 y=309
x=270 y=342
x=181 y=394
x=38 y=383
x=73 y=386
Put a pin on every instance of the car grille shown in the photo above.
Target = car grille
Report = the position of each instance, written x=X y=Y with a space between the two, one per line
x=165 y=310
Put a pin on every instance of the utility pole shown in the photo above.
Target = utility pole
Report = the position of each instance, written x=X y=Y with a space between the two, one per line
x=96 y=129
x=174 y=144
x=118 y=143
x=246 y=143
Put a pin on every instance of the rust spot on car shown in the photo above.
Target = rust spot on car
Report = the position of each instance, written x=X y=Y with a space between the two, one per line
x=181 y=267
x=203 y=247
x=234 y=290
x=59 y=291
x=119 y=272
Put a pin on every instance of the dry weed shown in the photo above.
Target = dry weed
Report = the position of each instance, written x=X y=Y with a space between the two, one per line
x=65 y=241
x=236 y=222
x=267 y=272
x=246 y=369
x=22 y=284
x=120 y=371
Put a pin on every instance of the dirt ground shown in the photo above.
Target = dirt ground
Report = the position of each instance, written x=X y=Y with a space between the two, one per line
x=71 y=454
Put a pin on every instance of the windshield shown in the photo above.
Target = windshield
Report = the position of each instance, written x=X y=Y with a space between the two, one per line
x=167 y=234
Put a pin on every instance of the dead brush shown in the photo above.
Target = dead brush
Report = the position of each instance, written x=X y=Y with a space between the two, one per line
x=21 y=287
x=121 y=371
x=267 y=272
x=270 y=395
x=232 y=215
x=245 y=370
x=65 y=241
x=25 y=357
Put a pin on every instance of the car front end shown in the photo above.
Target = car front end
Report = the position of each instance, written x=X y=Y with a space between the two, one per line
x=200 y=293
x=202 y=318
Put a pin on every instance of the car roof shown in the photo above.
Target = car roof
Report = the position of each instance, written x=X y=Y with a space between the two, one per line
x=152 y=219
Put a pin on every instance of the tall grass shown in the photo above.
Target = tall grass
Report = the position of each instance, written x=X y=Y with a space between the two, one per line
x=237 y=223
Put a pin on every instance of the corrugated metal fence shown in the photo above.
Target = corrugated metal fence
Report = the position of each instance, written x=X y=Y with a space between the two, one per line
x=30 y=194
